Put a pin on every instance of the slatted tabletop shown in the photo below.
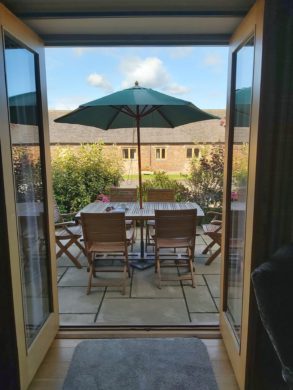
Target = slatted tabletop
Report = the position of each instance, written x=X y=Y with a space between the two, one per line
x=133 y=211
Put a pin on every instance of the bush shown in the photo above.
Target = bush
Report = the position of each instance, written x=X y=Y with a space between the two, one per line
x=28 y=175
x=80 y=174
x=205 y=180
x=160 y=179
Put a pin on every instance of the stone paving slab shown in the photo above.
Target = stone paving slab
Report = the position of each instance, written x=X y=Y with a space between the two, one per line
x=204 y=318
x=201 y=268
x=77 y=319
x=213 y=282
x=145 y=285
x=74 y=277
x=144 y=303
x=143 y=312
x=199 y=300
x=74 y=300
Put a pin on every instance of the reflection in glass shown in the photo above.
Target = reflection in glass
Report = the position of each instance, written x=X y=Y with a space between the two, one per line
x=29 y=185
x=239 y=178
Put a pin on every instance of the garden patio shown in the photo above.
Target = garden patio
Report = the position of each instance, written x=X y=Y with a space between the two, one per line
x=177 y=303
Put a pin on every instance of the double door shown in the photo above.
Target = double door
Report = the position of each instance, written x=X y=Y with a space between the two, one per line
x=27 y=197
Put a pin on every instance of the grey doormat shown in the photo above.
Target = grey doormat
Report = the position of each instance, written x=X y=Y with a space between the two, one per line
x=140 y=364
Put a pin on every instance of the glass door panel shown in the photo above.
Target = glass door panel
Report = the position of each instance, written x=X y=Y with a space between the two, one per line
x=29 y=184
x=241 y=117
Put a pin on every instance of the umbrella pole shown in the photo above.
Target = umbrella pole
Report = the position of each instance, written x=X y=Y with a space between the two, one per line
x=139 y=180
x=139 y=156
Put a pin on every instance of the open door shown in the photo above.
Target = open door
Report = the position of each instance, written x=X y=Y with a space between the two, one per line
x=239 y=185
x=25 y=163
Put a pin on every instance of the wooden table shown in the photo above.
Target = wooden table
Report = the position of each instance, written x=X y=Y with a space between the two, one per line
x=133 y=211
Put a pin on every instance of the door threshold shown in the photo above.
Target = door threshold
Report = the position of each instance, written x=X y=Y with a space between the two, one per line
x=203 y=332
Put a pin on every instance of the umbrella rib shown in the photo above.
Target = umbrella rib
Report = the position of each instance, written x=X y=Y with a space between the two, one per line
x=127 y=112
x=113 y=118
x=152 y=109
x=165 y=118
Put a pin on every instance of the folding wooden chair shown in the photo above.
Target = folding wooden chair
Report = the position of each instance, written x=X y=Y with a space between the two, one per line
x=214 y=231
x=175 y=229
x=67 y=233
x=156 y=195
x=106 y=234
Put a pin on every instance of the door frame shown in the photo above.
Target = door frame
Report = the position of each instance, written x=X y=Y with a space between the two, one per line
x=252 y=24
x=30 y=358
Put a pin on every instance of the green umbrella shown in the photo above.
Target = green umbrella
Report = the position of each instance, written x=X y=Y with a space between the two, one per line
x=243 y=98
x=23 y=109
x=136 y=106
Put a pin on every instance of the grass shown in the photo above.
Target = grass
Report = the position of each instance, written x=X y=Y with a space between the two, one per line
x=172 y=176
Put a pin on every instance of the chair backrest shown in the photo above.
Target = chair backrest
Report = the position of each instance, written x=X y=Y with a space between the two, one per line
x=176 y=224
x=123 y=194
x=103 y=227
x=160 y=195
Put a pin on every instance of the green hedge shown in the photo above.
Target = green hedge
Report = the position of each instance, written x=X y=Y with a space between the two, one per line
x=79 y=174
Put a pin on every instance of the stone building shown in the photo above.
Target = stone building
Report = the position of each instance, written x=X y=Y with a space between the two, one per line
x=164 y=149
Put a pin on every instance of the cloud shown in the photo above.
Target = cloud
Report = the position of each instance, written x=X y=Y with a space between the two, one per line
x=99 y=81
x=67 y=102
x=180 y=52
x=177 y=89
x=150 y=72
x=213 y=60
x=79 y=51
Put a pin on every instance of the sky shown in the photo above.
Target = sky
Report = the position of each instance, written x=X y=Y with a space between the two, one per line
x=79 y=75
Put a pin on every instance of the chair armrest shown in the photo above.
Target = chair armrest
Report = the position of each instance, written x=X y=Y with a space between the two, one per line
x=216 y=222
x=64 y=224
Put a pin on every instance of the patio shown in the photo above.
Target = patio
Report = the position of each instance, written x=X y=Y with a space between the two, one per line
x=177 y=303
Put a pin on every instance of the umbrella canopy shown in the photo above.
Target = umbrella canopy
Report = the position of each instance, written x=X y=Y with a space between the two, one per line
x=23 y=109
x=243 y=98
x=136 y=107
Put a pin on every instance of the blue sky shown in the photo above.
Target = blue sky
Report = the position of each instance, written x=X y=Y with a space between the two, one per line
x=79 y=75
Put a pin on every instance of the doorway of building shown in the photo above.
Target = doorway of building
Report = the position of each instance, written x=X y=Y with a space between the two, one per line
x=179 y=158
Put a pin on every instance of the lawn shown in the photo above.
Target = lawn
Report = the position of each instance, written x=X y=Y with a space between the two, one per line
x=172 y=176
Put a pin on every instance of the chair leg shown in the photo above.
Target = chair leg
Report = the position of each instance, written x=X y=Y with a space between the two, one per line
x=158 y=267
x=208 y=247
x=64 y=249
x=190 y=253
x=213 y=256
x=92 y=266
x=146 y=236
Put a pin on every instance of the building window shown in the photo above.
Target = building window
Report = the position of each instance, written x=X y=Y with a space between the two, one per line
x=192 y=152
x=129 y=153
x=160 y=153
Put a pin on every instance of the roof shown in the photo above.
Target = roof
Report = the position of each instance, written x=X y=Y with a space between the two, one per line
x=117 y=22
x=209 y=131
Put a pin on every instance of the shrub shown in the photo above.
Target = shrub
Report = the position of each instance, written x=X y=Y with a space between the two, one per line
x=80 y=174
x=27 y=172
x=160 y=179
x=205 y=180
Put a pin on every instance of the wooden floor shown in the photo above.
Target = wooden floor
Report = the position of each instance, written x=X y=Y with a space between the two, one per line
x=52 y=372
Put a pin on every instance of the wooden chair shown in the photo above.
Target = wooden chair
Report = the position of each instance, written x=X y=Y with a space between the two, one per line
x=214 y=231
x=67 y=233
x=104 y=234
x=175 y=229
x=118 y=194
x=156 y=195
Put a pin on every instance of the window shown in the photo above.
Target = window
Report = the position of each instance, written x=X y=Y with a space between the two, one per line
x=129 y=153
x=192 y=152
x=160 y=153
